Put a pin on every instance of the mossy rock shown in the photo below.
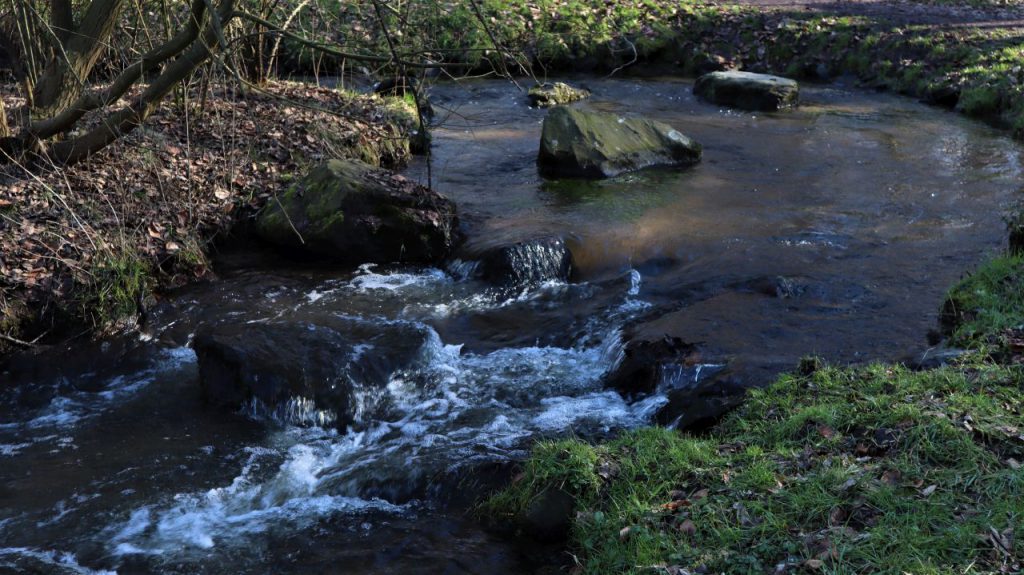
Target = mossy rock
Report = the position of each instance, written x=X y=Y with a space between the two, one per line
x=558 y=93
x=351 y=212
x=748 y=91
x=582 y=143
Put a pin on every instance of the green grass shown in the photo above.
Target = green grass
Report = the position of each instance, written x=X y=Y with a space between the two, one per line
x=548 y=36
x=117 y=282
x=869 y=470
x=986 y=309
x=874 y=469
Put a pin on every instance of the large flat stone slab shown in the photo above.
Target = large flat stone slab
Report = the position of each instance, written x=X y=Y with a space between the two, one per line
x=748 y=91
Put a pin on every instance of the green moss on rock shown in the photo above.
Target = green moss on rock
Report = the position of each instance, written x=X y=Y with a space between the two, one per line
x=556 y=94
x=352 y=212
x=581 y=143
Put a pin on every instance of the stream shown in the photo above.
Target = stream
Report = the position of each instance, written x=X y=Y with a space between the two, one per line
x=832 y=230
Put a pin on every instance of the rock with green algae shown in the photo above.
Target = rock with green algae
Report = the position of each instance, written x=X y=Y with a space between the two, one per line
x=351 y=212
x=555 y=94
x=582 y=143
x=748 y=91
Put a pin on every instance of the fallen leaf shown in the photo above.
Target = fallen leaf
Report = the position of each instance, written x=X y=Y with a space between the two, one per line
x=674 y=505
x=891 y=477
x=836 y=516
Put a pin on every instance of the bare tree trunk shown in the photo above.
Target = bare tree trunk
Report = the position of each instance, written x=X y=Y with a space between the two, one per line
x=64 y=78
x=123 y=121
x=150 y=61
x=30 y=40
x=5 y=129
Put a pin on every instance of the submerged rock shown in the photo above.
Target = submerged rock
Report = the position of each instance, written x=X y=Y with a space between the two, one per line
x=549 y=517
x=547 y=95
x=303 y=372
x=349 y=211
x=698 y=408
x=748 y=91
x=640 y=369
x=580 y=143
x=527 y=263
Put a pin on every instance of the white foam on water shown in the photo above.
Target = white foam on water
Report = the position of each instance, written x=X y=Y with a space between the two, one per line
x=295 y=411
x=224 y=516
x=450 y=410
x=489 y=299
x=602 y=411
x=66 y=412
x=28 y=559
x=462 y=269
x=11 y=449
x=635 y=281
x=368 y=280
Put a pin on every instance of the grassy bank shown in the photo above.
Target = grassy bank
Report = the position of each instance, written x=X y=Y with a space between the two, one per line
x=875 y=469
x=977 y=70
x=84 y=248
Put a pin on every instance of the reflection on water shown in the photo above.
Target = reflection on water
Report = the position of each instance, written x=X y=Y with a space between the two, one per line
x=833 y=229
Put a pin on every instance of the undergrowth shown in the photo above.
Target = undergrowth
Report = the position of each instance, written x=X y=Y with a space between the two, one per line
x=977 y=69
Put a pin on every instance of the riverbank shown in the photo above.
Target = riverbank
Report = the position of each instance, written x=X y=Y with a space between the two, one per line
x=86 y=247
x=73 y=259
x=962 y=56
x=873 y=469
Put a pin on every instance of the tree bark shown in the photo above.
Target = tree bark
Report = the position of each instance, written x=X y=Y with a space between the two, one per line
x=5 y=128
x=149 y=62
x=123 y=121
x=65 y=75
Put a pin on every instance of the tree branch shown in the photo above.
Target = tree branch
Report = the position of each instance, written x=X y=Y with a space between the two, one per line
x=127 y=119
x=66 y=119
x=338 y=53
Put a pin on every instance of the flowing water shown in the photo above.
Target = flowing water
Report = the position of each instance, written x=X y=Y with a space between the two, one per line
x=833 y=230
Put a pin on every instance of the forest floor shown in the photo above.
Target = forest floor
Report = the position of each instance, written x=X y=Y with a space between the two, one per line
x=86 y=246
